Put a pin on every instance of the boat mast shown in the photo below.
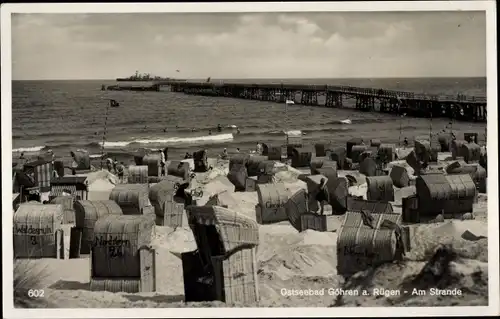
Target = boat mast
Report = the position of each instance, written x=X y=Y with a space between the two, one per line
x=104 y=133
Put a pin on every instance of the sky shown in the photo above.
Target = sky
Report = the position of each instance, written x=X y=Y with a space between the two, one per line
x=249 y=45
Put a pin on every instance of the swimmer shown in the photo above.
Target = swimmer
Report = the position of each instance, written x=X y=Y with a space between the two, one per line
x=238 y=131
x=209 y=132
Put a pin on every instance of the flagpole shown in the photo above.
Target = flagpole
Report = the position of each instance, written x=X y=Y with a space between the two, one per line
x=104 y=133
x=430 y=129
x=400 y=120
x=286 y=121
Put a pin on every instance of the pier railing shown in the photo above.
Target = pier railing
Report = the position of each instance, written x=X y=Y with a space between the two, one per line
x=460 y=107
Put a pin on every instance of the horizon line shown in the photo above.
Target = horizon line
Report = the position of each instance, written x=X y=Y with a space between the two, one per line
x=274 y=78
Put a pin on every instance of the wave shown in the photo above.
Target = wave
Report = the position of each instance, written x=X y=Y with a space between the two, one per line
x=173 y=140
x=294 y=133
x=330 y=130
x=359 y=121
x=28 y=149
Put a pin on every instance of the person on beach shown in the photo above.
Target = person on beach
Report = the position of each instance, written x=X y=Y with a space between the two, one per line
x=115 y=164
x=55 y=174
x=120 y=170
x=21 y=157
x=162 y=162
x=74 y=164
x=187 y=155
x=258 y=149
x=224 y=154
x=109 y=164
x=322 y=195
x=51 y=155
x=405 y=142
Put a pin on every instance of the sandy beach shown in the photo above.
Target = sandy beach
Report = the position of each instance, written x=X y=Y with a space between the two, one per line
x=287 y=260
x=170 y=157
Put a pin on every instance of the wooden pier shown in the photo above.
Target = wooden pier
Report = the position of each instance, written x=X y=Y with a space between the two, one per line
x=458 y=107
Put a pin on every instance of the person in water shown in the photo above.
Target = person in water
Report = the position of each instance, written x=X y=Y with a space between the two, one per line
x=238 y=131
x=405 y=142
x=219 y=128
x=209 y=132
x=322 y=195
x=237 y=150
x=21 y=156
x=187 y=155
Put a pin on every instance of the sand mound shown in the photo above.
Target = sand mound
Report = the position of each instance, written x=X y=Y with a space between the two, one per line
x=295 y=186
x=100 y=184
x=417 y=282
x=220 y=169
x=218 y=184
x=178 y=241
x=427 y=238
x=287 y=174
x=101 y=175
x=305 y=254
x=243 y=202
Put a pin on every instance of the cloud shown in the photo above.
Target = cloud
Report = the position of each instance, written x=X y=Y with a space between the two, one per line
x=273 y=45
